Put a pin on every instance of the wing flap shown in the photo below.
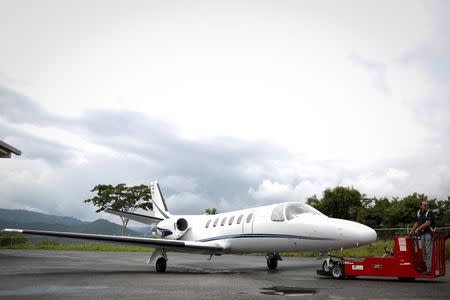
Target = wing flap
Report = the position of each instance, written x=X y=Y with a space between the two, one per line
x=172 y=245
x=135 y=217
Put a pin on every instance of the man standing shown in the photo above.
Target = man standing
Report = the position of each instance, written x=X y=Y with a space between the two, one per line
x=425 y=226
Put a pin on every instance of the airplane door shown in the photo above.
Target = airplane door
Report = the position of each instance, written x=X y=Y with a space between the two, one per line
x=247 y=222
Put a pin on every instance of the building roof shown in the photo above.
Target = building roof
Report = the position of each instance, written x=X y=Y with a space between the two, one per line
x=6 y=150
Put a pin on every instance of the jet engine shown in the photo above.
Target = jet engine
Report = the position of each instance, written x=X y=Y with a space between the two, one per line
x=173 y=229
x=182 y=224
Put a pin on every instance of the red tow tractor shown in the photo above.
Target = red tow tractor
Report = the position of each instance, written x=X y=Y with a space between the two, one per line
x=405 y=261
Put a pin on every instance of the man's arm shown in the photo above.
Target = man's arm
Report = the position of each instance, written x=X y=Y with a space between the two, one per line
x=423 y=226
x=414 y=229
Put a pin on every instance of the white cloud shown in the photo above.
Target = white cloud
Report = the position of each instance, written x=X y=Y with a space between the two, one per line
x=285 y=67
x=307 y=188
x=397 y=175
x=391 y=183
x=271 y=191
x=186 y=201
x=268 y=189
x=180 y=183
x=234 y=104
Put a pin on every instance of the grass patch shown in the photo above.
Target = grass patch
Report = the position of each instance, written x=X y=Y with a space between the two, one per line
x=51 y=245
x=18 y=241
x=377 y=249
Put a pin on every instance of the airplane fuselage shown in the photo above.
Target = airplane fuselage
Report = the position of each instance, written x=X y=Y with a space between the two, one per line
x=270 y=229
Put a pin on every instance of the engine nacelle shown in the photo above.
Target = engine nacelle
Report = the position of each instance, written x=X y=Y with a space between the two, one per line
x=173 y=228
x=182 y=224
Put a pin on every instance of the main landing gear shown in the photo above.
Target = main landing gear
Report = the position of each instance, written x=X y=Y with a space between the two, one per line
x=161 y=262
x=272 y=260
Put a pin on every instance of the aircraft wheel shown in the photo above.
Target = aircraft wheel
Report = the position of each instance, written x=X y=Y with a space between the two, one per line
x=272 y=263
x=161 y=264
x=337 y=271
x=325 y=267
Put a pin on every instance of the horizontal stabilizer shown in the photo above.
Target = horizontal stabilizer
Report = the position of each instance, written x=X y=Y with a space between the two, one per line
x=163 y=244
x=135 y=217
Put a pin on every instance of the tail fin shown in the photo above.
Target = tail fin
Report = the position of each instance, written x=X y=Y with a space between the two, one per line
x=159 y=204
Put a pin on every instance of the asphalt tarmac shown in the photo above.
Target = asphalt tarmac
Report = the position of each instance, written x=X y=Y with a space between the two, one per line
x=113 y=275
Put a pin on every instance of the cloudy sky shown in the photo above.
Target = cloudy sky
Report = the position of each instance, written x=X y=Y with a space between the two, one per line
x=228 y=104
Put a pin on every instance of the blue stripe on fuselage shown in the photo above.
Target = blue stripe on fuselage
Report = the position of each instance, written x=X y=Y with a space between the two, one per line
x=264 y=235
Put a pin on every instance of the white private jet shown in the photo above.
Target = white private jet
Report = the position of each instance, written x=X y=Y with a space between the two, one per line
x=271 y=229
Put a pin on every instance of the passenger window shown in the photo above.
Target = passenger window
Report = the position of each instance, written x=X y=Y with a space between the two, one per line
x=239 y=219
x=277 y=213
x=207 y=223
x=223 y=221
x=215 y=222
x=231 y=220
x=249 y=217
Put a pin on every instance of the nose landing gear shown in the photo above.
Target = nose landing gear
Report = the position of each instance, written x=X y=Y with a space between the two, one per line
x=333 y=266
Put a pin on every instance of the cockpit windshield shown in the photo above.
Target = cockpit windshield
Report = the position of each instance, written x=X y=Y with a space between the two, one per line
x=295 y=209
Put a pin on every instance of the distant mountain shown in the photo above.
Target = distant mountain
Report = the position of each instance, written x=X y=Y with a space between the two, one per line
x=38 y=221
x=145 y=231
x=24 y=216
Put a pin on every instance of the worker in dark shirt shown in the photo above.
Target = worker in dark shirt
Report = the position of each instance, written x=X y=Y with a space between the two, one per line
x=424 y=227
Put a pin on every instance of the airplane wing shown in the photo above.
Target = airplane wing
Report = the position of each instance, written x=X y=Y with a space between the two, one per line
x=163 y=244
x=135 y=217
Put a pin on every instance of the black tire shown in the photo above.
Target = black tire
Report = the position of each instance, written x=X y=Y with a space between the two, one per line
x=337 y=271
x=325 y=267
x=161 y=264
x=272 y=263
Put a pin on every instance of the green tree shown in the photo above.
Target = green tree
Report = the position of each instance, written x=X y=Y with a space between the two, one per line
x=121 y=198
x=339 y=202
x=314 y=202
x=374 y=212
x=442 y=215
x=211 y=211
x=402 y=213
x=348 y=203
